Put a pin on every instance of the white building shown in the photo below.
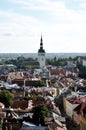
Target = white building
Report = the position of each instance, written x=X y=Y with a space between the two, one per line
x=41 y=54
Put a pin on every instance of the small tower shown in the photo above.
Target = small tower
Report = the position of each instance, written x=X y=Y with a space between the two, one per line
x=41 y=54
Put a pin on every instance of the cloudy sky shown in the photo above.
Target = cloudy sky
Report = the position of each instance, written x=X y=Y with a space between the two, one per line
x=62 y=24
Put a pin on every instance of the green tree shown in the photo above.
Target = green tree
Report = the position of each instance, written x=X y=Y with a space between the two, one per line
x=40 y=112
x=55 y=62
x=40 y=83
x=6 y=97
x=82 y=70
x=35 y=97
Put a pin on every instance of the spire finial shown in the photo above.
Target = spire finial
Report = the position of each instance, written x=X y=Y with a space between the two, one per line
x=41 y=38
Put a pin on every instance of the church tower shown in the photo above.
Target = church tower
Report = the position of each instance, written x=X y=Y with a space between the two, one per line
x=41 y=54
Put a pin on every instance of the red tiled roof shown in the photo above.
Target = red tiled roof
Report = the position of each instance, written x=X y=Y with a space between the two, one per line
x=23 y=104
x=83 y=106
x=57 y=71
x=77 y=100
x=16 y=75
x=35 y=103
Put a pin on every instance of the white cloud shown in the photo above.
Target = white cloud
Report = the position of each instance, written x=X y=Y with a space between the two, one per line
x=18 y=24
x=56 y=9
x=83 y=5
x=63 y=30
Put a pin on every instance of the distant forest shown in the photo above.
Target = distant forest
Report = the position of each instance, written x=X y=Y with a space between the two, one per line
x=35 y=55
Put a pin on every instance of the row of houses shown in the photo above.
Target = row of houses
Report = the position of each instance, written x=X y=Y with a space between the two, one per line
x=75 y=108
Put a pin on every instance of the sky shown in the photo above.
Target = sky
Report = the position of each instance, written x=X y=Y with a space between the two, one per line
x=62 y=24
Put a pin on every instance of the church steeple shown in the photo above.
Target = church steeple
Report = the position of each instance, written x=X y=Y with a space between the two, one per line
x=41 y=50
x=41 y=54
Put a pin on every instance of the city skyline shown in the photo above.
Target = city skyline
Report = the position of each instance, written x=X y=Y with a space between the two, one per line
x=62 y=24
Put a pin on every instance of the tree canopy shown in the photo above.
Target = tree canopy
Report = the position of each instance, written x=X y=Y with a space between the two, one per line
x=55 y=62
x=40 y=112
x=82 y=70
x=6 y=98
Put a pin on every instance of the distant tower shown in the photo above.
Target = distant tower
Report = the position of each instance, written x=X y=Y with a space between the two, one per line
x=41 y=54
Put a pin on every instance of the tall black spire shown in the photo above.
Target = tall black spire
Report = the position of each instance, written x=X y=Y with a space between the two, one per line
x=41 y=50
x=41 y=43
